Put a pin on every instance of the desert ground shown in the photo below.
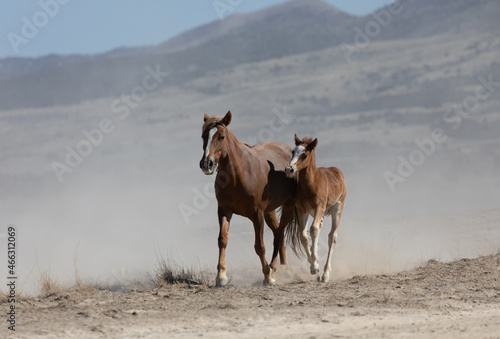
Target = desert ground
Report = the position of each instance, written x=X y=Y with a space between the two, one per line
x=459 y=299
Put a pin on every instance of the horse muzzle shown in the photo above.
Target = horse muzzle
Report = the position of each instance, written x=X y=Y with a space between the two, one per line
x=290 y=171
x=208 y=166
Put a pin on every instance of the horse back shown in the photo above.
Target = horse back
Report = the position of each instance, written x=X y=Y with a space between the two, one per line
x=278 y=153
x=275 y=156
x=264 y=183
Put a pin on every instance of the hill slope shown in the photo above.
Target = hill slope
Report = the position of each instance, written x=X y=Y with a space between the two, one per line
x=294 y=27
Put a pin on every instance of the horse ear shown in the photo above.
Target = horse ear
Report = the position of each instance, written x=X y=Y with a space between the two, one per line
x=297 y=140
x=227 y=119
x=312 y=145
x=206 y=117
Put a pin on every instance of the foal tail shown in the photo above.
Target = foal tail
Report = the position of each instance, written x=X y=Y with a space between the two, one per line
x=292 y=234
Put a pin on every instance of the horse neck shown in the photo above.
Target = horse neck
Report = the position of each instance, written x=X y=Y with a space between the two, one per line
x=308 y=176
x=231 y=163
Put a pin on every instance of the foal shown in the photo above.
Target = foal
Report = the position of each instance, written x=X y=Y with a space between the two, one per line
x=320 y=191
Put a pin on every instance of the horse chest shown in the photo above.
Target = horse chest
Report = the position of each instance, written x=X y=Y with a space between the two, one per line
x=238 y=201
x=307 y=197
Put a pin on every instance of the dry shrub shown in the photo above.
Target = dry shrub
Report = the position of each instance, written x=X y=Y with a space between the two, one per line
x=168 y=273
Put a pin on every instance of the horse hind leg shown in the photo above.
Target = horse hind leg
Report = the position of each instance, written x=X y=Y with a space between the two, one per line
x=332 y=238
x=273 y=224
x=260 y=249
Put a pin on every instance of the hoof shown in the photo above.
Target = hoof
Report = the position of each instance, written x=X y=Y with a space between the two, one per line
x=269 y=282
x=314 y=269
x=325 y=278
x=221 y=282
x=285 y=267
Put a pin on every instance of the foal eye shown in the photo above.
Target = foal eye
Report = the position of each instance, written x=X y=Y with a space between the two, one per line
x=222 y=138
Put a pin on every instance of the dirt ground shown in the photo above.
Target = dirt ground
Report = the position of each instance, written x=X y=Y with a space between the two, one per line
x=460 y=299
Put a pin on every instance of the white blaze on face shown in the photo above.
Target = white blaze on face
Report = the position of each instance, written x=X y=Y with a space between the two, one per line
x=209 y=141
x=297 y=152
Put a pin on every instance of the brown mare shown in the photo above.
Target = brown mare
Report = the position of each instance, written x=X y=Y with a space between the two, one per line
x=250 y=182
x=319 y=191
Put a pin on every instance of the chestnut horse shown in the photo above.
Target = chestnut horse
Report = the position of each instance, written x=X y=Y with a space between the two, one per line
x=250 y=182
x=320 y=191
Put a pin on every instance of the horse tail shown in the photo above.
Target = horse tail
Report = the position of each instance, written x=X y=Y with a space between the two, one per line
x=292 y=234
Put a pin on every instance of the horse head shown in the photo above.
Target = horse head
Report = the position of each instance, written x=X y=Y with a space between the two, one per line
x=301 y=155
x=214 y=135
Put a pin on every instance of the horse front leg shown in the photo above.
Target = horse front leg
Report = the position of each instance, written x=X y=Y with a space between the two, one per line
x=260 y=248
x=332 y=238
x=315 y=229
x=224 y=219
x=304 y=238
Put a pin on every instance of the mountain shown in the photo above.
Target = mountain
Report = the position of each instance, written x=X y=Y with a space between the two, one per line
x=290 y=28
x=14 y=67
x=425 y=18
x=307 y=18
x=293 y=21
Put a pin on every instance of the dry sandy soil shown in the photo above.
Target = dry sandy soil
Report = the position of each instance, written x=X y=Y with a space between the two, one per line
x=460 y=299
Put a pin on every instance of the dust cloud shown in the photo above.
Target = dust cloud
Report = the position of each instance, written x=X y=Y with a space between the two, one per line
x=133 y=198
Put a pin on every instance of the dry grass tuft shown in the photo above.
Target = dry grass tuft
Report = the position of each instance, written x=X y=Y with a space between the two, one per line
x=169 y=273
x=80 y=284
x=49 y=285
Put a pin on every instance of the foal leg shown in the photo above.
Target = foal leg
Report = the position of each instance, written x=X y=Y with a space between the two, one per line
x=336 y=213
x=260 y=248
x=304 y=238
x=224 y=219
x=315 y=229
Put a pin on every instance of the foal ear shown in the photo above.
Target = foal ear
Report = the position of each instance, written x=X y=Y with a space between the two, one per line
x=206 y=117
x=297 y=140
x=227 y=119
x=312 y=145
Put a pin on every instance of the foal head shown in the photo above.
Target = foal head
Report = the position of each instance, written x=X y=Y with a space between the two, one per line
x=214 y=135
x=301 y=155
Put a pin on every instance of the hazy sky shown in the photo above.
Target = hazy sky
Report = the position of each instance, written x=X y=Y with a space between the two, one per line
x=91 y=26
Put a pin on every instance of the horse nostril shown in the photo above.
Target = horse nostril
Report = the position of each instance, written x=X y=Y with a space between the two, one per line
x=210 y=163
x=291 y=170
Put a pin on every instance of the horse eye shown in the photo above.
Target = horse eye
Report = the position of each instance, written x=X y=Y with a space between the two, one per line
x=221 y=138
